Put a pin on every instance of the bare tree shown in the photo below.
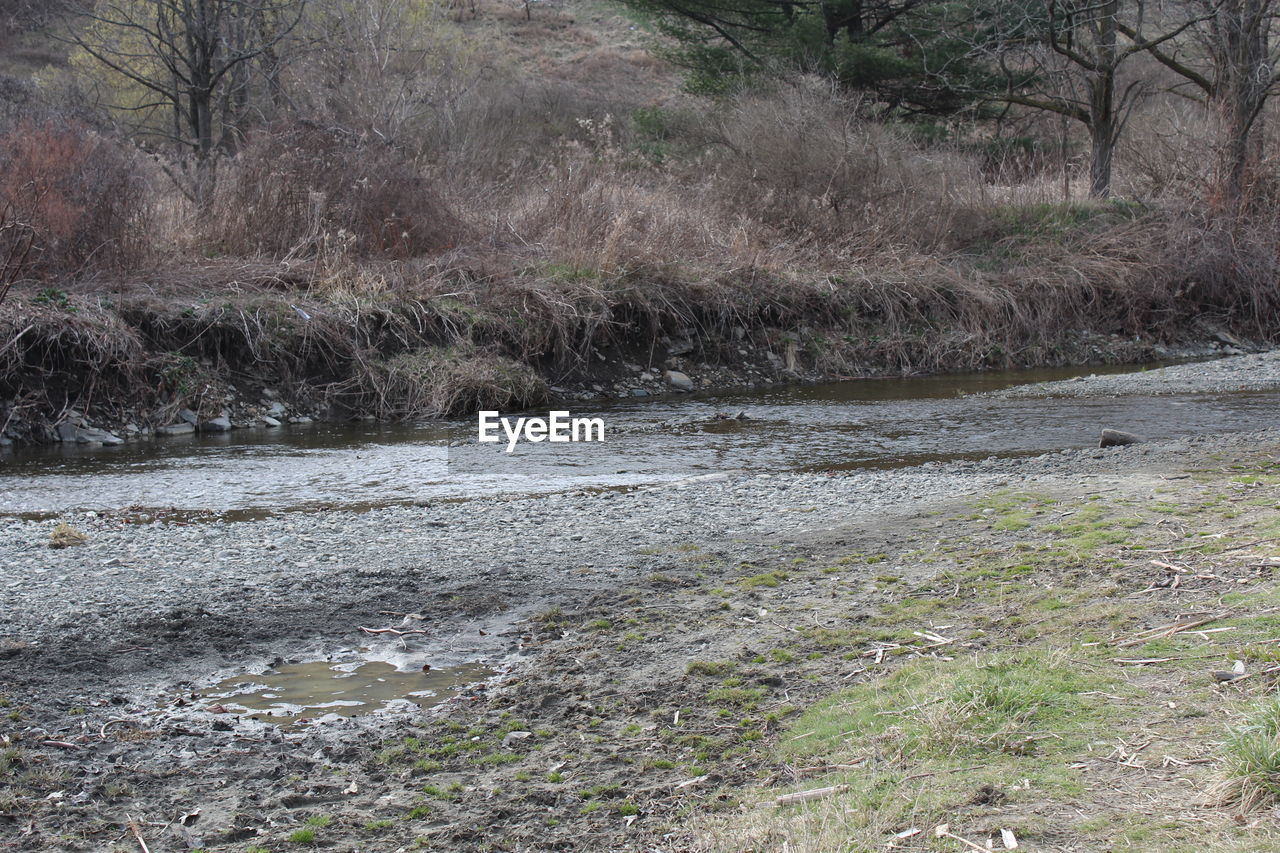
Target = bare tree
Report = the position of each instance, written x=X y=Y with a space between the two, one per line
x=191 y=59
x=17 y=240
x=1232 y=60
x=1066 y=56
x=394 y=70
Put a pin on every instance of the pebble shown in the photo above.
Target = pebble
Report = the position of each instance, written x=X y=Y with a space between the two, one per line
x=228 y=566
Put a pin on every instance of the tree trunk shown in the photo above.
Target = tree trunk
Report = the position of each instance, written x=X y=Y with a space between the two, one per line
x=1104 y=123
x=1244 y=74
x=1102 y=140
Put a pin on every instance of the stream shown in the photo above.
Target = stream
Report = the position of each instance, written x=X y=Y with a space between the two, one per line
x=864 y=423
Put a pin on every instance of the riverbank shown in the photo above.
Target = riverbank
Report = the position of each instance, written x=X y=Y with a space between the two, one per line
x=667 y=653
x=233 y=343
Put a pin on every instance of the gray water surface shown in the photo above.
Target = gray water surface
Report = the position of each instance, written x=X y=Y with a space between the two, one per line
x=864 y=423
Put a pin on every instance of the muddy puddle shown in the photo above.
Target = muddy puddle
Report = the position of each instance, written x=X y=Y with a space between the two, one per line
x=292 y=694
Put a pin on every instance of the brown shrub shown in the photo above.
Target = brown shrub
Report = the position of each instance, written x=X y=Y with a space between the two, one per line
x=810 y=163
x=306 y=192
x=80 y=199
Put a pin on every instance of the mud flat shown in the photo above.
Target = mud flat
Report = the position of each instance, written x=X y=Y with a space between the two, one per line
x=666 y=662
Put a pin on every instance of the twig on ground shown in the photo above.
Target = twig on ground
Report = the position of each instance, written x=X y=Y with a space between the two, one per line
x=1163 y=631
x=806 y=796
x=944 y=831
x=137 y=833
x=395 y=631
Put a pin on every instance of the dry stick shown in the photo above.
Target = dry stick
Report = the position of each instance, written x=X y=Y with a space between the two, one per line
x=824 y=768
x=1168 y=631
x=805 y=796
x=943 y=833
x=133 y=827
x=102 y=732
x=395 y=631
x=942 y=772
x=1201 y=545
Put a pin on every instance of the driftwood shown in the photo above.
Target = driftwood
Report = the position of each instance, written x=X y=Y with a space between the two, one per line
x=137 y=833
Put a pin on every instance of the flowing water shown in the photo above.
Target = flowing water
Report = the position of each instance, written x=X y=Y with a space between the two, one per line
x=866 y=423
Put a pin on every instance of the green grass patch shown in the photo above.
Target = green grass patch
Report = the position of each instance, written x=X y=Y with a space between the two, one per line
x=769 y=579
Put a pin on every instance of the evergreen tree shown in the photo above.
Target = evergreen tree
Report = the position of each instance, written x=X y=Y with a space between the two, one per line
x=905 y=54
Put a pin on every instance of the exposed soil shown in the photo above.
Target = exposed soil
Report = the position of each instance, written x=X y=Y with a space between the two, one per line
x=656 y=694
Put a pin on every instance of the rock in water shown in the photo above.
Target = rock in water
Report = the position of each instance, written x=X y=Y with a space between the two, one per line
x=93 y=435
x=176 y=429
x=216 y=425
x=679 y=380
x=1117 y=438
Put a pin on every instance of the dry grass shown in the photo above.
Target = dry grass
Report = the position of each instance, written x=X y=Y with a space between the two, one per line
x=1062 y=707
x=439 y=382
x=304 y=192
x=531 y=210
x=66 y=536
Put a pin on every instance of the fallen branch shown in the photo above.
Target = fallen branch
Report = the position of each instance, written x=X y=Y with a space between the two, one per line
x=61 y=743
x=395 y=631
x=1141 y=661
x=942 y=772
x=806 y=796
x=1167 y=631
x=827 y=768
x=102 y=732
x=944 y=831
x=133 y=827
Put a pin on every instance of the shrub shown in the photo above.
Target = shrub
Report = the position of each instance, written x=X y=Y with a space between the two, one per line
x=79 y=200
x=814 y=165
x=304 y=192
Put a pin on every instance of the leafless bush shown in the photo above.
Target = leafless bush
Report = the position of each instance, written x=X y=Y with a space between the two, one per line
x=308 y=192
x=16 y=242
x=83 y=198
x=808 y=161
x=389 y=69
x=1167 y=152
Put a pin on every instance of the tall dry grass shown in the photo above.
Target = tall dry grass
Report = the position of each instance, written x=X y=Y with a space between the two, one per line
x=302 y=191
